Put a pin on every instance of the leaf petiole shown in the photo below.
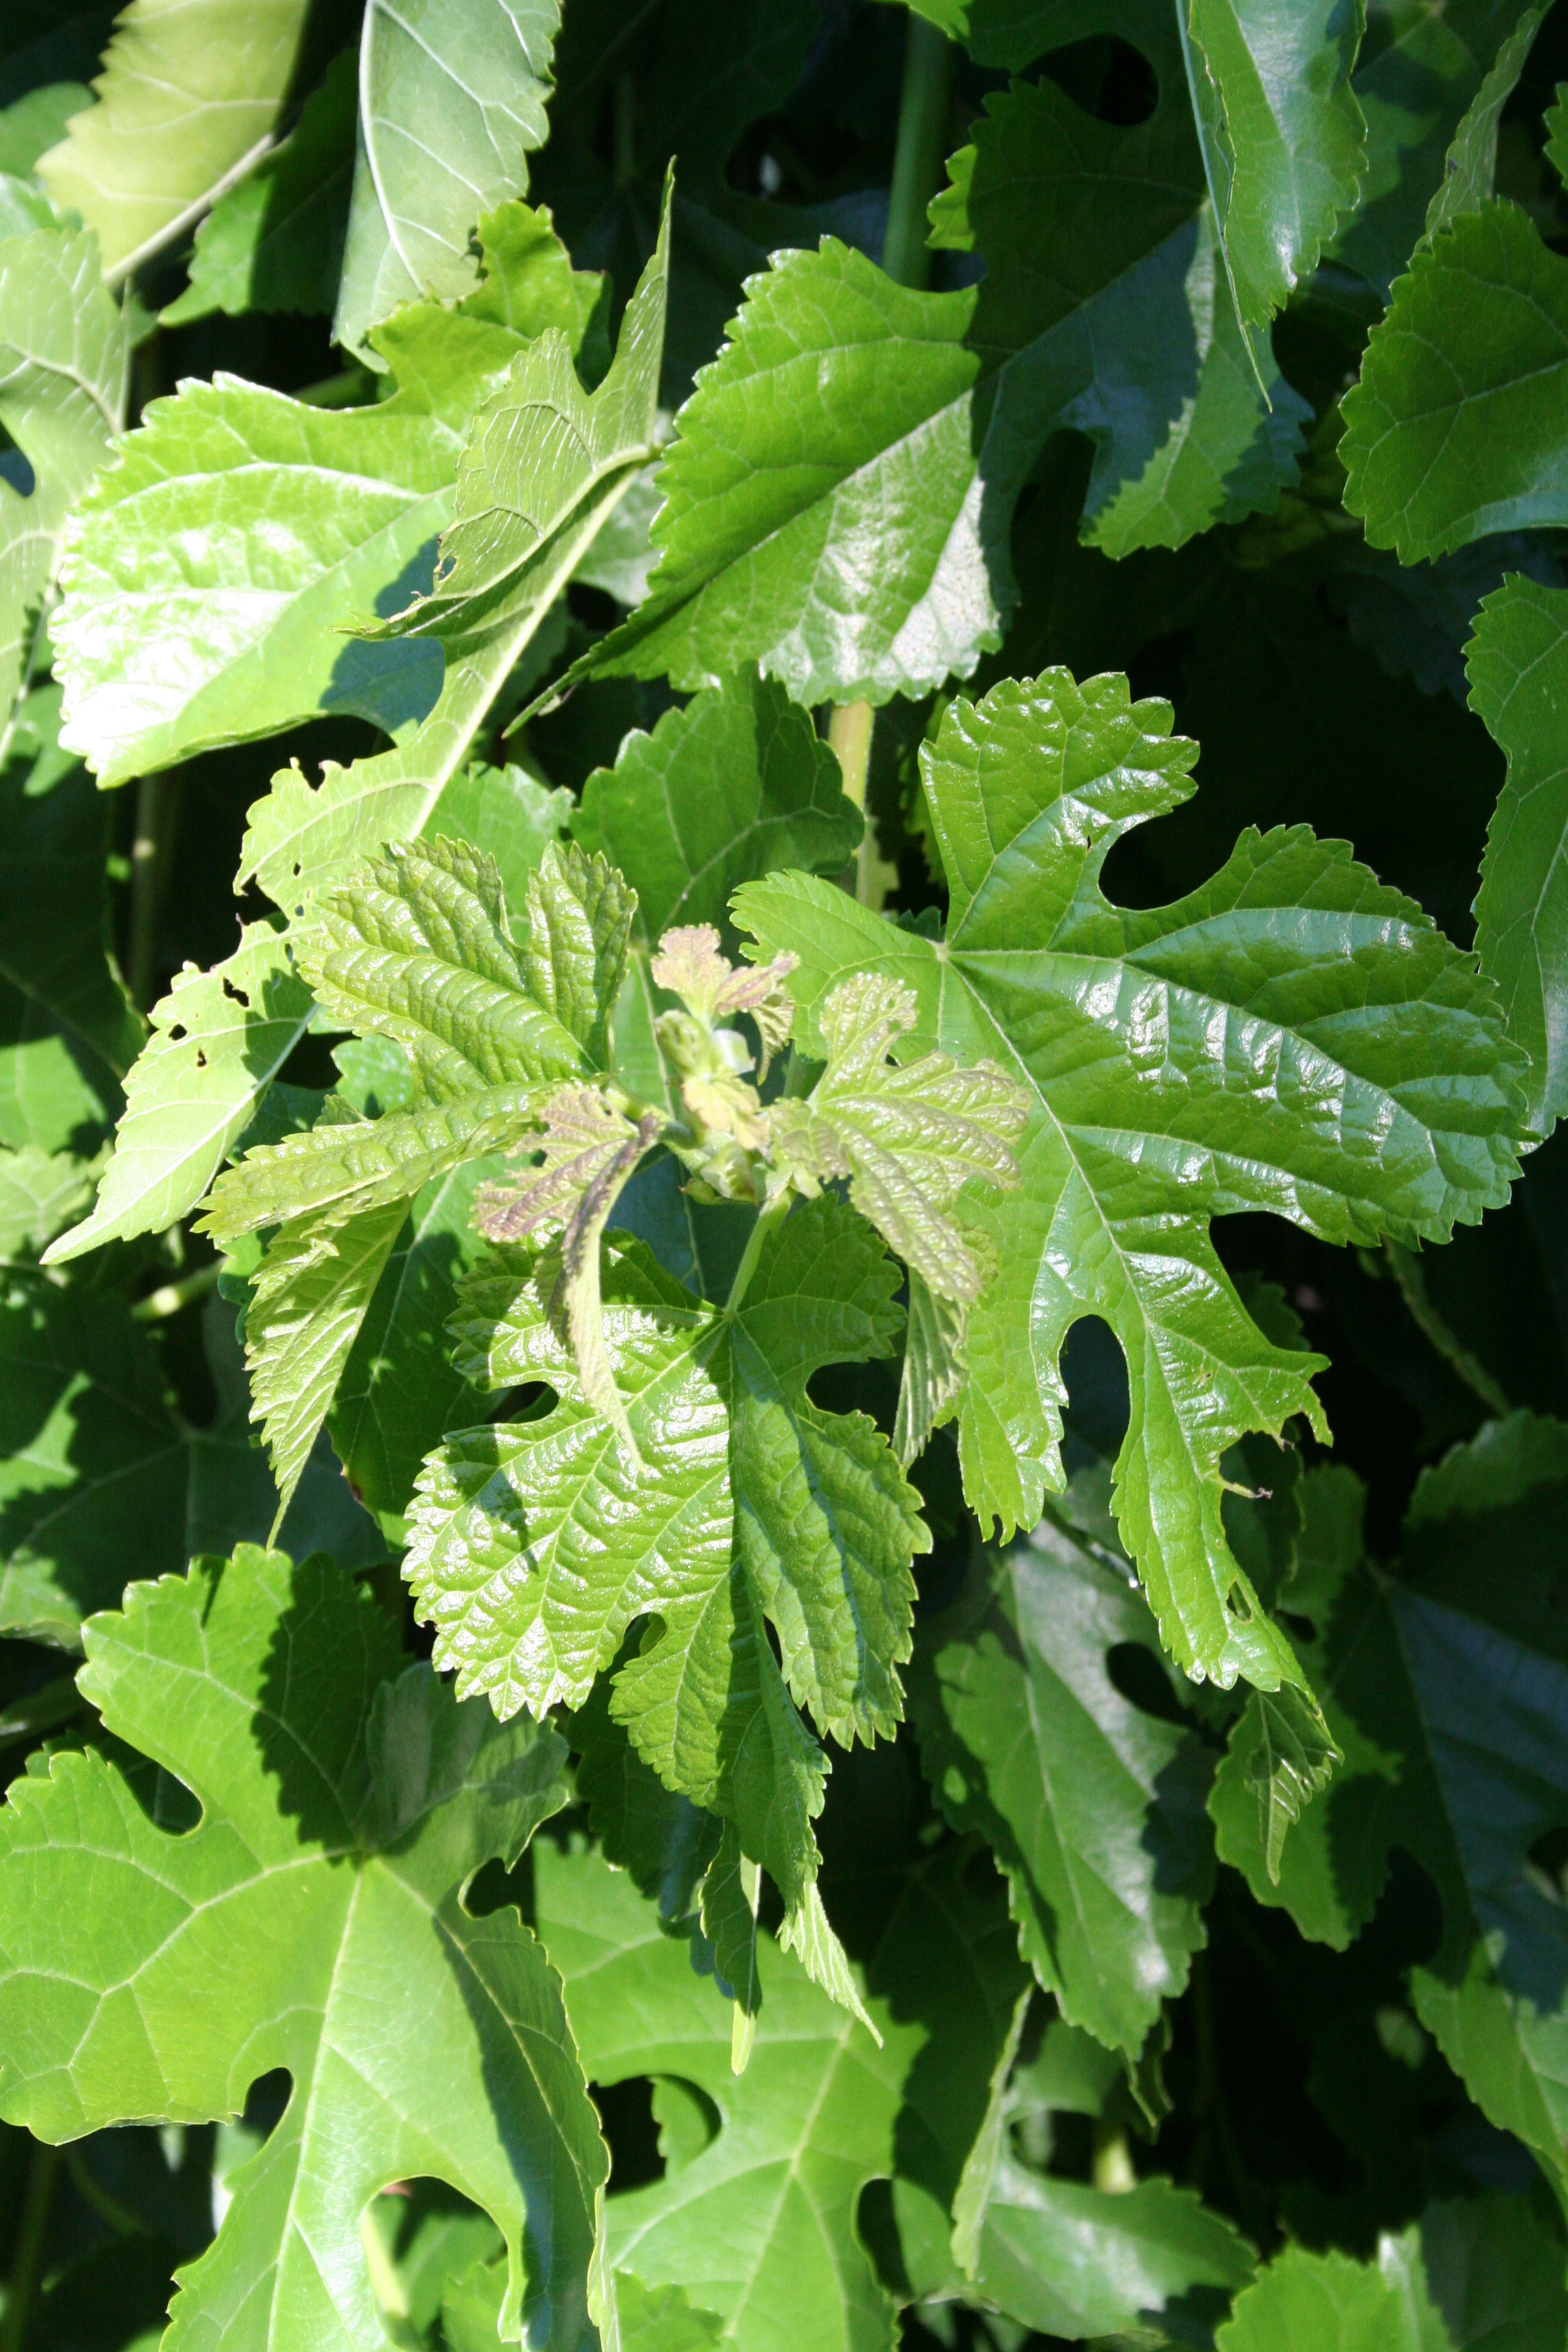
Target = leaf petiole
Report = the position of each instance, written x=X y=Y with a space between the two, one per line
x=769 y=1219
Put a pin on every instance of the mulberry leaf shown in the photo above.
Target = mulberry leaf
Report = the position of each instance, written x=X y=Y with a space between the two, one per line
x=908 y=1138
x=536 y=1543
x=1291 y=1036
x=344 y=1806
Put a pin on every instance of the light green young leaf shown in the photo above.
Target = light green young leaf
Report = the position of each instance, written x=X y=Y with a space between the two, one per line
x=580 y=916
x=64 y=354
x=413 y=950
x=1447 y=1692
x=308 y=1300
x=1457 y=427
x=302 y=841
x=1464 y=2277
x=588 y=1151
x=187 y=103
x=208 y=577
x=1517 y=663
x=512 y=813
x=219 y=1038
x=342 y=1813
x=524 y=492
x=740 y=1497
x=1282 y=132
x=416 y=946
x=338 y=1169
x=909 y=1138
x=1291 y=1036
x=547 y=1490
x=276 y=242
x=452 y=98
x=880 y=564
x=761 y=2224
x=734 y=785
x=1092 y=1807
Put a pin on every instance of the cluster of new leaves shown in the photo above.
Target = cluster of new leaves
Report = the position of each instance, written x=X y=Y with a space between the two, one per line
x=713 y=1124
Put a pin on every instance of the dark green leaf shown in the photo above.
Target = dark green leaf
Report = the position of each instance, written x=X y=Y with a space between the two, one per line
x=721 y=792
x=1457 y=425
x=1092 y=1807
x=1446 y=1691
x=1518 y=667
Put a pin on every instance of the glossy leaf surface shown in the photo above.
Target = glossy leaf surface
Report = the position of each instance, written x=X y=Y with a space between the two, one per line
x=1260 y=990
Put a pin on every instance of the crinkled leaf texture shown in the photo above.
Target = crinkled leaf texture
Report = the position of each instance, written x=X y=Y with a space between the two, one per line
x=452 y=97
x=208 y=576
x=1447 y=1690
x=319 y=1896
x=1517 y=663
x=1092 y=1807
x=1291 y=1036
x=1463 y=2278
x=838 y=497
x=758 y=2221
x=536 y=1543
x=186 y=103
x=414 y=952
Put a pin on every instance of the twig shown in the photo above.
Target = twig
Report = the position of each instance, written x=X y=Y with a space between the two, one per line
x=29 y=2254
x=1430 y=1320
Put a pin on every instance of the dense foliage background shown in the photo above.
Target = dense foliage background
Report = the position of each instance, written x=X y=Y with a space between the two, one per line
x=1073 y=1845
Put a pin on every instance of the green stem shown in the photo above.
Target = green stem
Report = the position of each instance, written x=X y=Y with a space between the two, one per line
x=1433 y=1323
x=171 y=1297
x=850 y=733
x=774 y=1214
x=918 y=156
x=625 y=129
x=29 y=2254
x=94 y=2194
x=345 y=390
x=916 y=175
